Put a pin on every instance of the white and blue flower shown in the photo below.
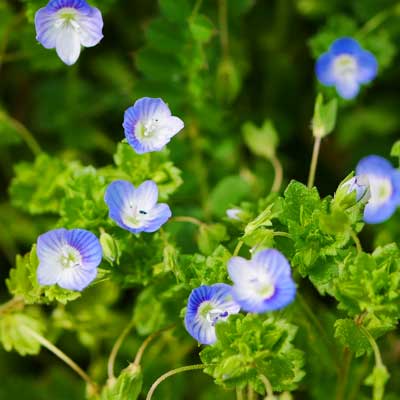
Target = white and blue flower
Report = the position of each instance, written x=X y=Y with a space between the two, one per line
x=136 y=209
x=68 y=258
x=149 y=125
x=346 y=66
x=66 y=25
x=263 y=283
x=384 y=187
x=208 y=305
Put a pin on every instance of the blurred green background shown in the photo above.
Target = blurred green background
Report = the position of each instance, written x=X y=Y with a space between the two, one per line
x=219 y=64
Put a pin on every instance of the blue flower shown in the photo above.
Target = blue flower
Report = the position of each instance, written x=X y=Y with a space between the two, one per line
x=346 y=65
x=206 y=306
x=149 y=125
x=136 y=210
x=263 y=283
x=66 y=25
x=360 y=185
x=68 y=258
x=384 y=186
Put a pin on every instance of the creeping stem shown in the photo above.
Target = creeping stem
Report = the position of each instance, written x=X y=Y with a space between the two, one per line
x=114 y=351
x=314 y=161
x=62 y=356
x=171 y=373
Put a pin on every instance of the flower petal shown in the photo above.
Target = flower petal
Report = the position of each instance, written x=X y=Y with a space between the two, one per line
x=68 y=44
x=324 y=69
x=274 y=262
x=374 y=165
x=76 y=278
x=50 y=243
x=46 y=31
x=345 y=45
x=367 y=67
x=48 y=272
x=91 y=27
x=347 y=88
x=158 y=216
x=146 y=195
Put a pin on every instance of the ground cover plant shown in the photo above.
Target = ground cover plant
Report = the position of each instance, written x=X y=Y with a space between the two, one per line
x=200 y=199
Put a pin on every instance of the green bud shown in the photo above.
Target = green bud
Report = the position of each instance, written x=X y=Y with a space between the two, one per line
x=324 y=118
x=351 y=191
x=228 y=81
x=111 y=251
x=127 y=386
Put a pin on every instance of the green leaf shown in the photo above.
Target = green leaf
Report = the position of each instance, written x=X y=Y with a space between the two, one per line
x=377 y=379
x=395 y=151
x=324 y=118
x=261 y=141
x=202 y=28
x=13 y=335
x=349 y=334
x=210 y=236
x=127 y=386
x=175 y=10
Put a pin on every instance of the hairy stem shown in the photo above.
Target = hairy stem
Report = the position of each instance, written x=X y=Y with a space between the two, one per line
x=14 y=304
x=314 y=161
x=278 y=174
x=238 y=247
x=239 y=394
x=343 y=374
x=171 y=373
x=356 y=241
x=115 y=349
x=223 y=27
x=62 y=356
x=191 y=220
x=268 y=387
x=250 y=393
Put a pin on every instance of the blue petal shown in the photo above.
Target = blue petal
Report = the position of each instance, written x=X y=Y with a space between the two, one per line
x=81 y=5
x=324 y=69
x=88 y=246
x=274 y=261
x=374 y=165
x=345 y=45
x=347 y=88
x=160 y=214
x=76 y=278
x=367 y=67
x=396 y=187
x=376 y=215
x=50 y=243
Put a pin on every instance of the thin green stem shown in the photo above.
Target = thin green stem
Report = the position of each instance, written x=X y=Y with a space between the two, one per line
x=14 y=304
x=250 y=393
x=283 y=234
x=115 y=349
x=356 y=241
x=191 y=220
x=268 y=387
x=375 y=348
x=23 y=132
x=239 y=394
x=278 y=174
x=343 y=374
x=314 y=162
x=223 y=26
x=196 y=7
x=62 y=356
x=238 y=247
x=142 y=348
x=171 y=373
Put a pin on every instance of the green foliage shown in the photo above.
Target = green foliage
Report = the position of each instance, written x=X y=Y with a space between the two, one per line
x=261 y=141
x=127 y=385
x=324 y=118
x=254 y=345
x=350 y=335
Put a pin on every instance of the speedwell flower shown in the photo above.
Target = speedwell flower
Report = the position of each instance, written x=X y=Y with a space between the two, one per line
x=208 y=305
x=66 y=25
x=149 y=125
x=346 y=66
x=263 y=283
x=68 y=258
x=384 y=186
x=136 y=210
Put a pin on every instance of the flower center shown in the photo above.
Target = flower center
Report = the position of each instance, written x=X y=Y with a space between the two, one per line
x=263 y=287
x=381 y=189
x=345 y=66
x=67 y=16
x=70 y=257
x=134 y=217
x=211 y=314
x=147 y=129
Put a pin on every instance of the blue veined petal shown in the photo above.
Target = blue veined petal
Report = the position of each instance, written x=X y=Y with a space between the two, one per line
x=149 y=126
x=345 y=45
x=367 y=67
x=324 y=69
x=219 y=301
x=158 y=216
x=146 y=195
x=347 y=88
x=46 y=30
x=375 y=214
x=76 y=278
x=396 y=186
x=263 y=283
x=90 y=27
x=88 y=246
x=56 y=5
x=375 y=165
x=68 y=44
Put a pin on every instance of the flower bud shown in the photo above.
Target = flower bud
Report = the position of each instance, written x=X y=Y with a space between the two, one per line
x=111 y=251
x=352 y=191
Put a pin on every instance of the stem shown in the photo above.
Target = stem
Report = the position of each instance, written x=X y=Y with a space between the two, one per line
x=115 y=349
x=196 y=7
x=250 y=393
x=278 y=174
x=238 y=247
x=356 y=241
x=191 y=220
x=344 y=374
x=223 y=26
x=171 y=373
x=283 y=234
x=23 y=132
x=239 y=394
x=375 y=348
x=146 y=342
x=268 y=387
x=314 y=161
x=11 y=305
x=62 y=356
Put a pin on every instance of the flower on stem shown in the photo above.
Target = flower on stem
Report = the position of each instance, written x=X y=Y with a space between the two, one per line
x=263 y=283
x=68 y=258
x=346 y=66
x=207 y=305
x=136 y=209
x=384 y=186
x=66 y=25
x=149 y=125
x=352 y=191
